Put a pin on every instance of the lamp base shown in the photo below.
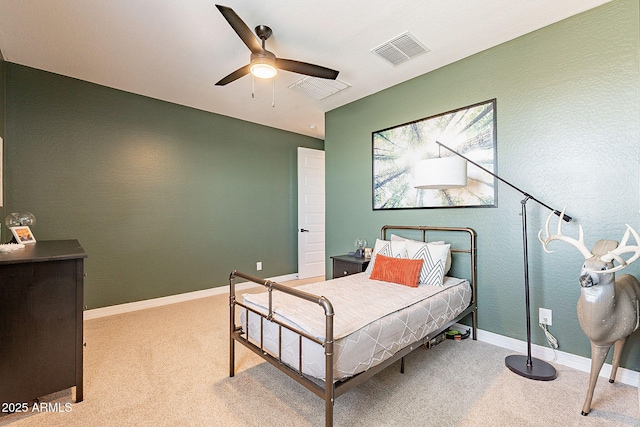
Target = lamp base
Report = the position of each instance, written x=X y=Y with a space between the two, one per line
x=539 y=369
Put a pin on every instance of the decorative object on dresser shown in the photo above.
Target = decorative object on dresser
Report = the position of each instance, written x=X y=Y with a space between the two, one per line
x=17 y=219
x=343 y=265
x=41 y=308
x=23 y=234
x=360 y=244
x=368 y=252
x=8 y=247
x=335 y=347
x=608 y=308
x=19 y=223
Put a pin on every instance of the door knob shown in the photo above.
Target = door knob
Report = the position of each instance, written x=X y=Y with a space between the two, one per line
x=304 y=230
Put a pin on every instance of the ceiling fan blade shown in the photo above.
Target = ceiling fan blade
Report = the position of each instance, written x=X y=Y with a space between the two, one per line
x=306 y=68
x=235 y=75
x=241 y=29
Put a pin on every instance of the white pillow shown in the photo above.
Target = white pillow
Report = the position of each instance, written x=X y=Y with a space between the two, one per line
x=396 y=249
x=447 y=267
x=434 y=259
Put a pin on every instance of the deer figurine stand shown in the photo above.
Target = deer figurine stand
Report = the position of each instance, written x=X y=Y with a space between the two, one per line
x=608 y=308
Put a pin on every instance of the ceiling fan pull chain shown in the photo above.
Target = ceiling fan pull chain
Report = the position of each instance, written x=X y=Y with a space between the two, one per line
x=253 y=86
x=273 y=92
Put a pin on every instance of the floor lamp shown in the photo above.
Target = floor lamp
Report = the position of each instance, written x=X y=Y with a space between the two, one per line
x=525 y=366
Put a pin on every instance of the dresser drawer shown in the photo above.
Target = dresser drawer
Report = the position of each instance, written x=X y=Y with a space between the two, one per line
x=345 y=265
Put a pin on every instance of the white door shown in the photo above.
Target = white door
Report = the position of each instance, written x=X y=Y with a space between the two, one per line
x=310 y=213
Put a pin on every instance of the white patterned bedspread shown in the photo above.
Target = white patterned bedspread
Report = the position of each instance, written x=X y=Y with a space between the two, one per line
x=373 y=320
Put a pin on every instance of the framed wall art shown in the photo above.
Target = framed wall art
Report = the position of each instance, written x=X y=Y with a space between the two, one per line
x=470 y=131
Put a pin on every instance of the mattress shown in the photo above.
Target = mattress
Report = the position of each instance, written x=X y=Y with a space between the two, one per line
x=372 y=321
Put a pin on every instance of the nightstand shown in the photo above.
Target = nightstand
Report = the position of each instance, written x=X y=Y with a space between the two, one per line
x=344 y=265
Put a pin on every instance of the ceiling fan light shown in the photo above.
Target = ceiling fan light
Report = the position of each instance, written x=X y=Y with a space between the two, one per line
x=263 y=66
x=263 y=71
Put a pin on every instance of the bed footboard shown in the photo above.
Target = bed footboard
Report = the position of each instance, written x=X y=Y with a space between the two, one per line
x=237 y=334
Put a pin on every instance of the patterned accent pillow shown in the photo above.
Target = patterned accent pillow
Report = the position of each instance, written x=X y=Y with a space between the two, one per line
x=434 y=258
x=387 y=248
x=447 y=267
x=402 y=271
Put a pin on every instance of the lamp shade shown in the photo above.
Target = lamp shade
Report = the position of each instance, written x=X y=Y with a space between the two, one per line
x=440 y=173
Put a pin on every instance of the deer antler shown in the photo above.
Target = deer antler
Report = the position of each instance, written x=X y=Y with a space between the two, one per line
x=623 y=248
x=578 y=244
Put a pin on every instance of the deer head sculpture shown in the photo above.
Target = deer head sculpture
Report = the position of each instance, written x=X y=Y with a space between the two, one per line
x=608 y=308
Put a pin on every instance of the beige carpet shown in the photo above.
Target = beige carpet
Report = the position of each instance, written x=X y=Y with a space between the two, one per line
x=168 y=366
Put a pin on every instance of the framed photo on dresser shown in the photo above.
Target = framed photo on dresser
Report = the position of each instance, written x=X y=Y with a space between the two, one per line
x=23 y=234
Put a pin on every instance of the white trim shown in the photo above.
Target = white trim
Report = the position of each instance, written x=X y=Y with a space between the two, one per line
x=158 y=302
x=625 y=376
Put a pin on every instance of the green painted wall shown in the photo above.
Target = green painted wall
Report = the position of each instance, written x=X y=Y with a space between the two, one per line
x=165 y=199
x=568 y=132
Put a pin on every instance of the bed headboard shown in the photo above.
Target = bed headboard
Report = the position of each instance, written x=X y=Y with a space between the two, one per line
x=462 y=240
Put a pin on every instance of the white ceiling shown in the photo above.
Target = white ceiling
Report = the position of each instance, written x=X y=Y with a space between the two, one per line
x=176 y=50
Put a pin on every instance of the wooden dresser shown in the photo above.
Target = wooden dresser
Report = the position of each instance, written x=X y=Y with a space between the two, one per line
x=41 y=309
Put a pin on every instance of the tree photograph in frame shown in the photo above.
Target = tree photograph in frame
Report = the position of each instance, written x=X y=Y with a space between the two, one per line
x=470 y=131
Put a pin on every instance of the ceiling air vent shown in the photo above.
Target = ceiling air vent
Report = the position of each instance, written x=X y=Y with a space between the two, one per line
x=400 y=49
x=318 y=88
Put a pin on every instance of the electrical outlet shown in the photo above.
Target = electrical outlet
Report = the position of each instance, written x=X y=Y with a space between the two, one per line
x=259 y=265
x=544 y=316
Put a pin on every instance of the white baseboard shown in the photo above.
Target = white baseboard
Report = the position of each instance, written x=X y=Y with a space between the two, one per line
x=625 y=376
x=157 y=302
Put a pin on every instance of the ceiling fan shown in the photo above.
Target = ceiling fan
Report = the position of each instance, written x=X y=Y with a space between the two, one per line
x=264 y=64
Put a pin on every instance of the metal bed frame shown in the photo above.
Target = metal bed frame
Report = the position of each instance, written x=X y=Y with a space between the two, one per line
x=330 y=389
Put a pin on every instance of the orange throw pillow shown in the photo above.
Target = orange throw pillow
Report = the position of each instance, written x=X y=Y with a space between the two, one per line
x=403 y=271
